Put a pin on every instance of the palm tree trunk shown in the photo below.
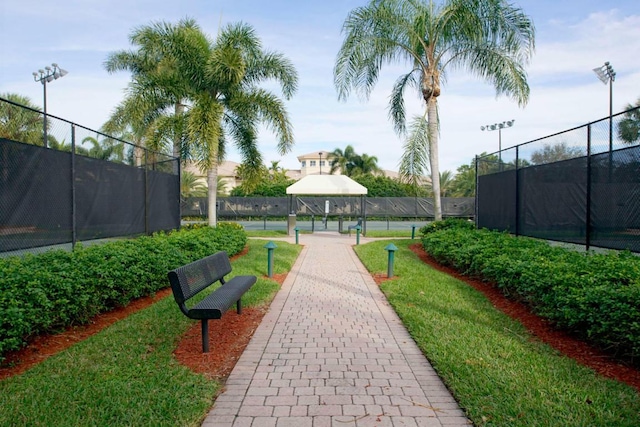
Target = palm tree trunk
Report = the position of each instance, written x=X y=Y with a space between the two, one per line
x=179 y=110
x=212 y=184
x=432 y=117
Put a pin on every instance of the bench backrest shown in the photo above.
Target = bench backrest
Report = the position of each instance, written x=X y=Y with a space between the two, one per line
x=188 y=280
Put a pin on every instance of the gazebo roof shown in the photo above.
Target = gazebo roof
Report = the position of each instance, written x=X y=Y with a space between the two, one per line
x=327 y=185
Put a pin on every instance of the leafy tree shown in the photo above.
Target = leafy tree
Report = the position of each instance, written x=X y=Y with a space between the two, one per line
x=271 y=182
x=629 y=126
x=382 y=186
x=18 y=123
x=219 y=80
x=463 y=183
x=491 y=39
x=555 y=153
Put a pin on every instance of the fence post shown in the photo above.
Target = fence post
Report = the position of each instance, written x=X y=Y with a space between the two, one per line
x=74 y=225
x=517 y=191
x=475 y=207
x=587 y=240
x=146 y=191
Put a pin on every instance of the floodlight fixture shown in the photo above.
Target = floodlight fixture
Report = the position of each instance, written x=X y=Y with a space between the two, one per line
x=499 y=127
x=607 y=74
x=44 y=76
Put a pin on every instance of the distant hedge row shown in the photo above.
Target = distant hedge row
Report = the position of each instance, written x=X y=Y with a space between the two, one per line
x=594 y=295
x=47 y=292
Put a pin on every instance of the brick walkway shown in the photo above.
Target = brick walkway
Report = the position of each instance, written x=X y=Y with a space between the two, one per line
x=332 y=352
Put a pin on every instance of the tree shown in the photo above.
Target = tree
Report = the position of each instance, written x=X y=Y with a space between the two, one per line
x=191 y=186
x=491 y=39
x=342 y=160
x=446 y=183
x=18 y=123
x=219 y=81
x=365 y=164
x=629 y=126
x=555 y=153
x=107 y=149
x=349 y=163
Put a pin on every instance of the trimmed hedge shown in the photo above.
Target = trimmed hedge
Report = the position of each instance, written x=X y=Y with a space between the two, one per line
x=596 y=296
x=47 y=292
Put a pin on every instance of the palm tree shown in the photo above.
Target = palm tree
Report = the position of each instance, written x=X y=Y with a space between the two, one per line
x=365 y=164
x=191 y=186
x=342 y=160
x=105 y=150
x=18 y=123
x=219 y=80
x=629 y=126
x=491 y=39
x=446 y=184
x=156 y=87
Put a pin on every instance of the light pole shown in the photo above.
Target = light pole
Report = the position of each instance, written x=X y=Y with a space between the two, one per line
x=320 y=164
x=606 y=74
x=45 y=76
x=499 y=127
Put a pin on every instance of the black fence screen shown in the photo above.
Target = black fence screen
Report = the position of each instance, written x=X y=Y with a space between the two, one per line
x=351 y=207
x=68 y=192
x=580 y=186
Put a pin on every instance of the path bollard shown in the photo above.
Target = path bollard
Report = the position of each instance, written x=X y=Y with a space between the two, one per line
x=297 y=230
x=413 y=231
x=358 y=234
x=270 y=247
x=392 y=249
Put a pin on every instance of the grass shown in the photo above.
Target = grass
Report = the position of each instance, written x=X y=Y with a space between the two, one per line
x=391 y=233
x=499 y=374
x=126 y=374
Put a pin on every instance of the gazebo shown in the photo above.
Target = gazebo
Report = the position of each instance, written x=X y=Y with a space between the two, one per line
x=328 y=185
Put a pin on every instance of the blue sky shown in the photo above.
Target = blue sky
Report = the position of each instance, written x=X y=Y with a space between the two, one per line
x=573 y=37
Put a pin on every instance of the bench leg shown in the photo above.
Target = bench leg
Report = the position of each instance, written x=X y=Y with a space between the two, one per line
x=205 y=335
x=239 y=306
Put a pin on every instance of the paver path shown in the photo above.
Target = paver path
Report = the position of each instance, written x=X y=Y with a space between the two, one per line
x=332 y=352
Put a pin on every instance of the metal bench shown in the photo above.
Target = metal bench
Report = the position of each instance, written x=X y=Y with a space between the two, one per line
x=189 y=280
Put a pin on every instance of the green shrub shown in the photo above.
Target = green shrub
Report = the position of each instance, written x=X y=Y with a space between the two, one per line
x=447 y=224
x=596 y=296
x=44 y=293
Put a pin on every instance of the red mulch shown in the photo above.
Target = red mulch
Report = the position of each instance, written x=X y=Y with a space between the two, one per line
x=568 y=345
x=229 y=336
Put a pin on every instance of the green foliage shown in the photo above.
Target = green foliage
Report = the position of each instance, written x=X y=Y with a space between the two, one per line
x=271 y=182
x=445 y=224
x=18 y=123
x=46 y=292
x=382 y=186
x=596 y=296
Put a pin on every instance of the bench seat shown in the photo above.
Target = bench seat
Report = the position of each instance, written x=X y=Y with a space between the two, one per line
x=219 y=301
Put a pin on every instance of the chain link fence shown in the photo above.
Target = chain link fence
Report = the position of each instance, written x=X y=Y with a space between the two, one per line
x=578 y=186
x=61 y=183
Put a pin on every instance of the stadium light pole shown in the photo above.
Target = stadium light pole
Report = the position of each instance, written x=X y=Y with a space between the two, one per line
x=606 y=74
x=45 y=76
x=499 y=127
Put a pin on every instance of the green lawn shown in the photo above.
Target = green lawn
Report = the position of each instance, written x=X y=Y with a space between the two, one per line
x=499 y=373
